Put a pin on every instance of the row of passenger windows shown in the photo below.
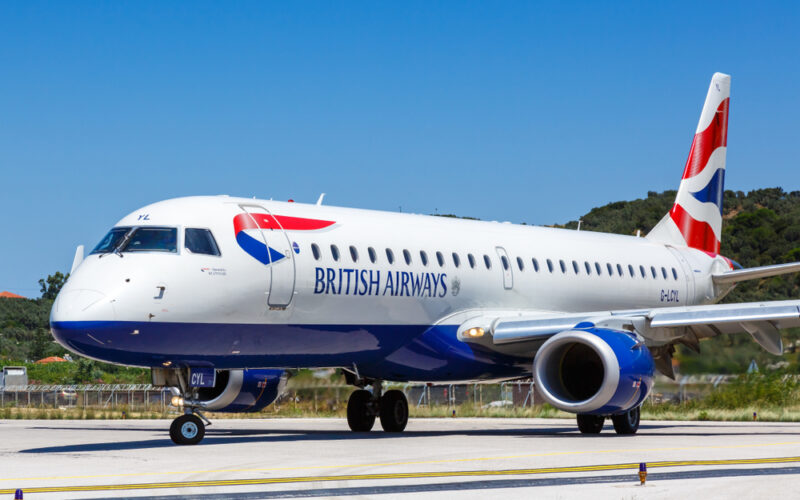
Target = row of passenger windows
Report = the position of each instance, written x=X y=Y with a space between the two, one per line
x=574 y=266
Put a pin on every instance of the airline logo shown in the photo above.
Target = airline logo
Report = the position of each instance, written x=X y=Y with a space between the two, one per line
x=250 y=235
x=698 y=207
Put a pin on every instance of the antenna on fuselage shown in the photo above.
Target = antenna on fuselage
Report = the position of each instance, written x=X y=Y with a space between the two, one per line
x=319 y=200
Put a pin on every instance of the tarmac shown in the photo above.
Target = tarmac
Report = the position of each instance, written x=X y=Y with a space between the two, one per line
x=435 y=458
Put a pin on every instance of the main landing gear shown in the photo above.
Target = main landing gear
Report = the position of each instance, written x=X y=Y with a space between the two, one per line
x=625 y=423
x=364 y=407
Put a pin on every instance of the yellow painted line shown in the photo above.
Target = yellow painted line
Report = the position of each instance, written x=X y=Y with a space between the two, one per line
x=402 y=475
x=413 y=462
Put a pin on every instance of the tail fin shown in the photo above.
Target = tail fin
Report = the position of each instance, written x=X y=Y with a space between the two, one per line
x=695 y=219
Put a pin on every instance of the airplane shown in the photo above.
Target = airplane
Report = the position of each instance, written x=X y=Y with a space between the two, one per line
x=220 y=295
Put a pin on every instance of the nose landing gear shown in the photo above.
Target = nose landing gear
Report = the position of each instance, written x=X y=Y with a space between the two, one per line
x=364 y=406
x=187 y=429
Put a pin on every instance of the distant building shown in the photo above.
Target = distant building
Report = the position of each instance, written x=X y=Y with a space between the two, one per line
x=9 y=295
x=14 y=375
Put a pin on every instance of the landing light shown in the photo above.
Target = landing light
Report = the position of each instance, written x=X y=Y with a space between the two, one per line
x=177 y=401
x=474 y=332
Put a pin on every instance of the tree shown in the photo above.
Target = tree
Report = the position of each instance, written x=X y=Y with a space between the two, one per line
x=52 y=286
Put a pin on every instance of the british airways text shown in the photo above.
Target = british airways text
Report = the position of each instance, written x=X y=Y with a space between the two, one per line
x=342 y=281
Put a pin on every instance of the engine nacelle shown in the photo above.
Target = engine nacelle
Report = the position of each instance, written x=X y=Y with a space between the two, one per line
x=242 y=390
x=594 y=370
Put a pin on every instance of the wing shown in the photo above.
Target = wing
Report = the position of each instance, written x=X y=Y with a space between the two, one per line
x=659 y=327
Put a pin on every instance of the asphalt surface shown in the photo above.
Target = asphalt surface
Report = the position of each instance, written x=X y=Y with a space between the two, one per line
x=438 y=458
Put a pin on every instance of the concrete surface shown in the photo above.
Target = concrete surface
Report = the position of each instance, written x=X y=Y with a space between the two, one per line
x=437 y=458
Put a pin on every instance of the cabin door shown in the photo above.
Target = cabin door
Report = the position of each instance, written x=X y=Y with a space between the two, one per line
x=277 y=256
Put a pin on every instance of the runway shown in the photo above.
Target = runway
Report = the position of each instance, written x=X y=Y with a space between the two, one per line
x=468 y=458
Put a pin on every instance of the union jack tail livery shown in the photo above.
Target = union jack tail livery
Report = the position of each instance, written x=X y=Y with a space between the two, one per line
x=695 y=219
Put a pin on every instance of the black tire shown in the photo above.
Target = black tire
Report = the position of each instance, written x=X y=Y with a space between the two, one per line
x=187 y=429
x=627 y=423
x=590 y=424
x=394 y=411
x=360 y=417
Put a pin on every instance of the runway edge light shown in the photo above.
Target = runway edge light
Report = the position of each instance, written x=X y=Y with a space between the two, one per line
x=642 y=473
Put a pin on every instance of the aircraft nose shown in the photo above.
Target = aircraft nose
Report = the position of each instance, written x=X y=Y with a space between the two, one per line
x=82 y=305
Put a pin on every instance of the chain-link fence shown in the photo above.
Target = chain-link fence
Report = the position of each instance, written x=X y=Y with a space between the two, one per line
x=518 y=394
x=139 y=396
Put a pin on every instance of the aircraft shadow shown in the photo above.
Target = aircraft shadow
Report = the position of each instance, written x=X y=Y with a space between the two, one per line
x=221 y=436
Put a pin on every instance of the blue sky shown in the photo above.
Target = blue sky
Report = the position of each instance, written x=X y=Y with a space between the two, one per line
x=524 y=111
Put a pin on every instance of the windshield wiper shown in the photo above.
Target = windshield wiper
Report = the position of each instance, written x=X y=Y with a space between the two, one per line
x=124 y=242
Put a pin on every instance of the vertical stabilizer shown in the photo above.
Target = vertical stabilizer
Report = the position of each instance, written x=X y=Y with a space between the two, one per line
x=695 y=219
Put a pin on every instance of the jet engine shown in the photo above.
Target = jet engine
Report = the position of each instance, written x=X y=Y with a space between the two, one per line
x=594 y=371
x=242 y=390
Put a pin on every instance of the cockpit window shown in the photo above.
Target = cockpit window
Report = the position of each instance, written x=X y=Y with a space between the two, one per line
x=200 y=241
x=139 y=239
x=111 y=240
x=152 y=239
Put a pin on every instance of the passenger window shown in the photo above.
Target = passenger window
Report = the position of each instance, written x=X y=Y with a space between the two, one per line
x=630 y=270
x=575 y=267
x=487 y=262
x=456 y=260
x=440 y=259
x=353 y=253
x=335 y=252
x=664 y=273
x=390 y=255
x=653 y=272
x=598 y=268
x=504 y=261
x=520 y=265
x=610 y=269
x=423 y=257
x=315 y=251
x=407 y=256
x=642 y=272
x=619 y=271
x=675 y=274
x=535 y=264
x=588 y=268
x=200 y=241
x=563 y=266
x=471 y=260
x=550 y=265
x=373 y=256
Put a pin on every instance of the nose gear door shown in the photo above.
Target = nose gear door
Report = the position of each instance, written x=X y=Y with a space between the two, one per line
x=277 y=256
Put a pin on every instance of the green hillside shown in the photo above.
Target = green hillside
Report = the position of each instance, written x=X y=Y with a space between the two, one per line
x=759 y=228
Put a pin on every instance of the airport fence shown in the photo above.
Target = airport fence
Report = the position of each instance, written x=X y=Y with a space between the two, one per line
x=106 y=396
x=518 y=394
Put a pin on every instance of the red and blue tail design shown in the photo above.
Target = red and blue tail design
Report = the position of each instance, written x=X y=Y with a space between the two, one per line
x=695 y=219
x=255 y=246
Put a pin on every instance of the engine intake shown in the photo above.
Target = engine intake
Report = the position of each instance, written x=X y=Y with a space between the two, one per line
x=593 y=370
x=242 y=390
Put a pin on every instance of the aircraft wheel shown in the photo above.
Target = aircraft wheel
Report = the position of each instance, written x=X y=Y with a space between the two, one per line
x=187 y=429
x=394 y=411
x=360 y=415
x=627 y=423
x=590 y=424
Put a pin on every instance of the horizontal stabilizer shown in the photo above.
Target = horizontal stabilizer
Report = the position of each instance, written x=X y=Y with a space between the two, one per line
x=754 y=273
